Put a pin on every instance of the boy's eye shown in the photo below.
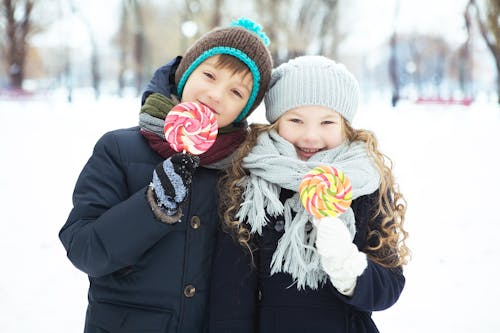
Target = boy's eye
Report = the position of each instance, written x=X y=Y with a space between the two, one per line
x=209 y=75
x=237 y=93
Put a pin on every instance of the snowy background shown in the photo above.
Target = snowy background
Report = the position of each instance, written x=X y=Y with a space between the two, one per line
x=446 y=160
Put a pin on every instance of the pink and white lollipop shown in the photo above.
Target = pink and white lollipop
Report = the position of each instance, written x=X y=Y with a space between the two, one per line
x=190 y=127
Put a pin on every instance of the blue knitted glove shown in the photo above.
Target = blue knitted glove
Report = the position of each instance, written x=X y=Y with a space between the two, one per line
x=172 y=181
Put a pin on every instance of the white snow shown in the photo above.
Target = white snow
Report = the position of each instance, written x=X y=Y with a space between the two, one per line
x=446 y=161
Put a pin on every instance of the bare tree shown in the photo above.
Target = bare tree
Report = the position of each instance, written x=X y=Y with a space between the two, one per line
x=439 y=66
x=393 y=71
x=490 y=30
x=270 y=19
x=131 y=44
x=329 y=35
x=316 y=24
x=217 y=16
x=94 y=58
x=18 y=26
x=139 y=44
x=122 y=46
x=417 y=50
x=65 y=65
x=187 y=13
x=295 y=26
x=465 y=55
x=393 y=61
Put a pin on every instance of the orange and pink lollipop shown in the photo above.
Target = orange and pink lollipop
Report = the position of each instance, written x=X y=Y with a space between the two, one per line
x=190 y=127
x=325 y=191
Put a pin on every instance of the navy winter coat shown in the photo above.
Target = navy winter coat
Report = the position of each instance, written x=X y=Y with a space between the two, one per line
x=246 y=299
x=145 y=275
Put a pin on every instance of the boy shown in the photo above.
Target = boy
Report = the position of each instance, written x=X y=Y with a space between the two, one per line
x=144 y=241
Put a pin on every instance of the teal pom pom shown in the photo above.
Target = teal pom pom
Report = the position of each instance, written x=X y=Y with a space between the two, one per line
x=253 y=27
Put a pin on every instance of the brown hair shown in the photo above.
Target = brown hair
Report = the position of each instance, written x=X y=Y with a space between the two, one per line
x=387 y=245
x=225 y=61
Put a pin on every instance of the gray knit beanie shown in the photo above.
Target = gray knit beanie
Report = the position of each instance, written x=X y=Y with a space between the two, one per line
x=312 y=80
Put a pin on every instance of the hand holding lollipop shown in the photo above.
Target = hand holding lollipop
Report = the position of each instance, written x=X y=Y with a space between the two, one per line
x=326 y=193
x=190 y=129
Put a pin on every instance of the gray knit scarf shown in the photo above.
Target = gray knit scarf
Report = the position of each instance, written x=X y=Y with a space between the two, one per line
x=273 y=164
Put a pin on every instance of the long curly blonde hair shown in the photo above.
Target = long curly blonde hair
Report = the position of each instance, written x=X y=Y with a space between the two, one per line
x=387 y=245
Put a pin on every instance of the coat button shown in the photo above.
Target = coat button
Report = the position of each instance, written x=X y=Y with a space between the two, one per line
x=279 y=225
x=189 y=290
x=195 y=222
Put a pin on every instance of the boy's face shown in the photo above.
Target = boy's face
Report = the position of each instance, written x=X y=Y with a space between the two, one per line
x=311 y=129
x=219 y=89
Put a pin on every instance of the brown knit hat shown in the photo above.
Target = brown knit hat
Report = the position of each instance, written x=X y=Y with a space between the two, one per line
x=243 y=39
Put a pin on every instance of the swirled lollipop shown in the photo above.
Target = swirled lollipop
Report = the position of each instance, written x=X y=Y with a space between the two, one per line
x=325 y=191
x=190 y=127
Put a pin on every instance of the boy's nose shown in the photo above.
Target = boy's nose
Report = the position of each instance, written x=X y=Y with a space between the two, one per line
x=215 y=94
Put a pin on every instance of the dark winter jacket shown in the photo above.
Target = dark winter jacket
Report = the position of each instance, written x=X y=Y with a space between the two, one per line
x=246 y=299
x=145 y=275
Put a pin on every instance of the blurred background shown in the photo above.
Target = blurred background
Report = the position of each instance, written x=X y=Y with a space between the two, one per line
x=443 y=51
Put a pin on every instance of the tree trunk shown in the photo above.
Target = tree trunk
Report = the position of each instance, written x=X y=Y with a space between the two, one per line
x=122 y=44
x=490 y=31
x=393 y=62
x=217 y=17
x=497 y=62
x=465 y=62
x=94 y=57
x=17 y=30
x=96 y=75
x=393 y=72
x=270 y=19
x=329 y=31
x=139 y=41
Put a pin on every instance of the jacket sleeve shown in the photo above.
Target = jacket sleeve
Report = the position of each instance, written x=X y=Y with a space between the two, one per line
x=163 y=80
x=234 y=290
x=108 y=228
x=376 y=289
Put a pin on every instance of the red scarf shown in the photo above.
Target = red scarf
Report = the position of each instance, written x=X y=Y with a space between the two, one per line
x=224 y=145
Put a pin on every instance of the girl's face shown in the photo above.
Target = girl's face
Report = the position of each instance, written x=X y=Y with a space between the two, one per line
x=225 y=92
x=311 y=129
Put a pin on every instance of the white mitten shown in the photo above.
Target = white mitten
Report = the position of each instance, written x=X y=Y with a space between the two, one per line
x=339 y=257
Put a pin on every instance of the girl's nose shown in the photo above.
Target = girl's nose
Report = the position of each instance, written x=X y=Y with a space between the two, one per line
x=310 y=135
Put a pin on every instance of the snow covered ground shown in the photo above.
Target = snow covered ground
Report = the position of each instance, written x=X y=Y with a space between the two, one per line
x=447 y=162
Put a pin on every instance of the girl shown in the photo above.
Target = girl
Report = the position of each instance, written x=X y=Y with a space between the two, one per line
x=299 y=274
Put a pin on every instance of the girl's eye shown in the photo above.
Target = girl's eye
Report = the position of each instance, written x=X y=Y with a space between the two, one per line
x=295 y=120
x=209 y=75
x=327 y=122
